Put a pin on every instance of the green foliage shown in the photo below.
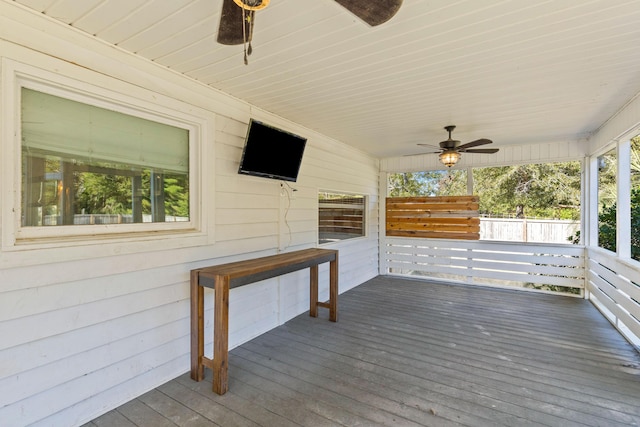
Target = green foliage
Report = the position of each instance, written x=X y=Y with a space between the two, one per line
x=554 y=288
x=176 y=195
x=430 y=183
x=607 y=226
x=635 y=198
x=635 y=161
x=103 y=194
x=550 y=190
x=607 y=177
x=112 y=194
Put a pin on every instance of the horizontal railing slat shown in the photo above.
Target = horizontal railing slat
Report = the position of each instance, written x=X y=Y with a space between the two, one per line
x=622 y=316
x=481 y=262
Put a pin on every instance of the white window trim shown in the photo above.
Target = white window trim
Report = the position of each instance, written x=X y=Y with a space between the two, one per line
x=365 y=215
x=144 y=104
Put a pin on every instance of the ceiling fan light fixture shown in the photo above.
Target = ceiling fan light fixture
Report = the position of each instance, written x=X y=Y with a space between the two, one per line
x=252 y=4
x=449 y=157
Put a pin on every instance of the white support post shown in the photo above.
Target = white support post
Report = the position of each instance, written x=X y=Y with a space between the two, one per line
x=383 y=191
x=590 y=239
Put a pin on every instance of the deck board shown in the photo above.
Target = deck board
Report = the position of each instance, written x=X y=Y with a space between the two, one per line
x=413 y=353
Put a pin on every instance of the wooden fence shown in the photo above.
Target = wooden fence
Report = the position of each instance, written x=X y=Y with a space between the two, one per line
x=433 y=217
x=528 y=230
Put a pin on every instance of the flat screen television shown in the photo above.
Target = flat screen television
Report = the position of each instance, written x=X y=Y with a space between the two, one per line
x=270 y=152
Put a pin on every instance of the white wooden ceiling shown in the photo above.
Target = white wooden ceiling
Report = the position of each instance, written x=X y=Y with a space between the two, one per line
x=516 y=71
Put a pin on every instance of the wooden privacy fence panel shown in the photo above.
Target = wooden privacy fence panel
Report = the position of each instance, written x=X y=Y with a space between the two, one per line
x=454 y=217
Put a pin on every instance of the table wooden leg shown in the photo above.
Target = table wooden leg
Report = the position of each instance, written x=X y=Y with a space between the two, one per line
x=313 y=291
x=221 y=335
x=333 y=290
x=197 y=328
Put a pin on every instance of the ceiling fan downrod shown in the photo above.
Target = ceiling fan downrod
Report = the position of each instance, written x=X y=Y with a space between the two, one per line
x=248 y=17
x=449 y=129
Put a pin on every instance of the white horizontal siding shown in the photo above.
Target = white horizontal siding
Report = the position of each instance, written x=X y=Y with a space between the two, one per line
x=86 y=328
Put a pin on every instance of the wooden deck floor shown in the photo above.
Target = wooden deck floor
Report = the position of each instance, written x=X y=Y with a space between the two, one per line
x=410 y=353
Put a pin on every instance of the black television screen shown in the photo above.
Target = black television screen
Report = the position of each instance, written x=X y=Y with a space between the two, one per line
x=270 y=152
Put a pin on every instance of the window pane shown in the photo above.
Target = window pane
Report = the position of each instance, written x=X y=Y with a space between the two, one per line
x=529 y=203
x=635 y=198
x=83 y=164
x=607 y=197
x=430 y=183
x=341 y=216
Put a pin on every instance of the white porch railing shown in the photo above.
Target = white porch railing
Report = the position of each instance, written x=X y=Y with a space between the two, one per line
x=613 y=285
x=537 y=266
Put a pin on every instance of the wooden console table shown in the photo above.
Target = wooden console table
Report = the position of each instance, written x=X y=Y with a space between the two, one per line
x=227 y=276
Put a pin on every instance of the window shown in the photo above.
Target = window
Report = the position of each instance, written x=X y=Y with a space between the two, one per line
x=340 y=216
x=85 y=165
x=607 y=197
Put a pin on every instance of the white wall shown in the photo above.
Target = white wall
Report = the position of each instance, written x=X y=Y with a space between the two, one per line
x=86 y=328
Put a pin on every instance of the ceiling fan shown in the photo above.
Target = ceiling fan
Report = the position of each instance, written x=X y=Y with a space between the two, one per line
x=238 y=16
x=450 y=149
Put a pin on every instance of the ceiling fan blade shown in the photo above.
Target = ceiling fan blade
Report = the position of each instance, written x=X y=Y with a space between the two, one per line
x=475 y=143
x=481 y=150
x=428 y=146
x=420 y=154
x=230 y=28
x=372 y=12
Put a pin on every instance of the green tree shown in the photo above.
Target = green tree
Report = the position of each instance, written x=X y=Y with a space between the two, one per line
x=635 y=161
x=112 y=194
x=176 y=193
x=429 y=183
x=607 y=226
x=103 y=194
x=549 y=190
x=607 y=198
x=635 y=198
x=607 y=180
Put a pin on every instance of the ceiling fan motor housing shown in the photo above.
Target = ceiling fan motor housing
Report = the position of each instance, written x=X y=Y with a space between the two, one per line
x=252 y=4
x=450 y=143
